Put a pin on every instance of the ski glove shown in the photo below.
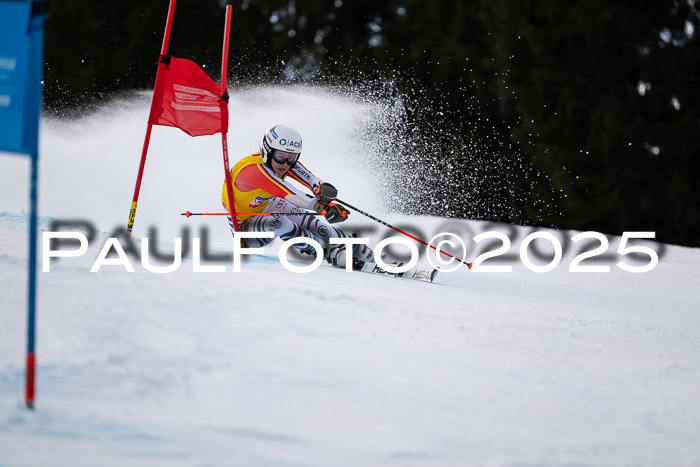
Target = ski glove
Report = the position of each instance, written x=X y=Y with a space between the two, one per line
x=333 y=212
x=325 y=192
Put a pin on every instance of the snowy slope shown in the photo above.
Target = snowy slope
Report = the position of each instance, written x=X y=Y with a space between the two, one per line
x=268 y=367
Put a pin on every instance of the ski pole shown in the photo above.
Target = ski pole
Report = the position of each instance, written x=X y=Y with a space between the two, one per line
x=188 y=214
x=469 y=265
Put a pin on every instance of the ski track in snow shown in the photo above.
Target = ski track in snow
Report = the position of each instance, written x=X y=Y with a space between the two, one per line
x=270 y=368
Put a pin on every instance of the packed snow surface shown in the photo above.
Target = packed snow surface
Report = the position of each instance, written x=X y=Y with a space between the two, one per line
x=266 y=367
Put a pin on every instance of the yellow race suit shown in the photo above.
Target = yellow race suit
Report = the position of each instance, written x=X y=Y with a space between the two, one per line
x=255 y=185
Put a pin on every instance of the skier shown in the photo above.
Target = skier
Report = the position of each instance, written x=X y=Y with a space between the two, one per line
x=259 y=185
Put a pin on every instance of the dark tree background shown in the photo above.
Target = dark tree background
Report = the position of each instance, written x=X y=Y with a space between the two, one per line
x=601 y=99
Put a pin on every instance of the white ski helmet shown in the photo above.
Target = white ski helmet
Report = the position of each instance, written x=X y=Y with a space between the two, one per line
x=280 y=138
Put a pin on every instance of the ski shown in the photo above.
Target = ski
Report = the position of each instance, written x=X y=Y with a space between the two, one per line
x=424 y=275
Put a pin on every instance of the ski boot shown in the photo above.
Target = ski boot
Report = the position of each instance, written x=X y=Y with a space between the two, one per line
x=307 y=249
x=360 y=255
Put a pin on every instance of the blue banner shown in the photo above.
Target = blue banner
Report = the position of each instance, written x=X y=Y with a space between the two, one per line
x=21 y=66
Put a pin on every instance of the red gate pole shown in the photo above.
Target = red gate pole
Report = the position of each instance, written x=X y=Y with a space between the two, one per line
x=224 y=95
x=154 y=100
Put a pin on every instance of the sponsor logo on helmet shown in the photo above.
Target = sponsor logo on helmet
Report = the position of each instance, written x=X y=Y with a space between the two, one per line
x=291 y=144
x=274 y=135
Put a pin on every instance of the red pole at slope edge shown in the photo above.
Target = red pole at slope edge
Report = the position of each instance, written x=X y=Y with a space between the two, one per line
x=144 y=151
x=224 y=143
